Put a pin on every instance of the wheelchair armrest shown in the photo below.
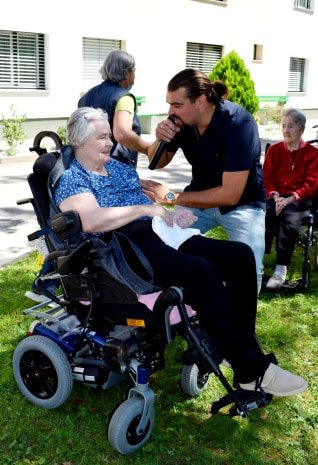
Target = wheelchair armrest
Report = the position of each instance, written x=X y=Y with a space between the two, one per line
x=66 y=224
x=56 y=254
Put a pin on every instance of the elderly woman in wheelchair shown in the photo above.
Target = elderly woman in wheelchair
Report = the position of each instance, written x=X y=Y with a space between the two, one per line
x=216 y=278
x=291 y=181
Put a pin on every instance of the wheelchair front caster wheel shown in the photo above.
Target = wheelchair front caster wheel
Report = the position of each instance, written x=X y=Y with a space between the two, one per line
x=122 y=430
x=193 y=382
x=42 y=372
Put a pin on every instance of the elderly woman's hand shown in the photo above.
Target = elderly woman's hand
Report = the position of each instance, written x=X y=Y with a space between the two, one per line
x=183 y=217
x=281 y=202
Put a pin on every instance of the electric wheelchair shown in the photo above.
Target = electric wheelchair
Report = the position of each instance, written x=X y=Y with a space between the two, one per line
x=307 y=241
x=99 y=334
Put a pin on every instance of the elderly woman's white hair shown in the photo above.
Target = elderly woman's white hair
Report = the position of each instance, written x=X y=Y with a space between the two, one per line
x=80 y=124
x=117 y=65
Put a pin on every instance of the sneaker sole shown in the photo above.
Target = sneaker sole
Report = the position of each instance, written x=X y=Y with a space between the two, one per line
x=287 y=394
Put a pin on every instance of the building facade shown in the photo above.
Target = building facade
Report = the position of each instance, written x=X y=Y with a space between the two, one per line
x=51 y=52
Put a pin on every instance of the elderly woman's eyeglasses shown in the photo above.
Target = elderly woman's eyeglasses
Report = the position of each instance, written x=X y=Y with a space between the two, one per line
x=290 y=126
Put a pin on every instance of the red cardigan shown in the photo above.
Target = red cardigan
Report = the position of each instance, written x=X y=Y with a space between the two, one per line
x=291 y=173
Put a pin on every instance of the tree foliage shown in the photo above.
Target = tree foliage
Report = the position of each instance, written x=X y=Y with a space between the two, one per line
x=233 y=72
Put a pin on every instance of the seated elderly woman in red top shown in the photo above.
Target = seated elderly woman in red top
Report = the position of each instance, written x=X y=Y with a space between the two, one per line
x=291 y=180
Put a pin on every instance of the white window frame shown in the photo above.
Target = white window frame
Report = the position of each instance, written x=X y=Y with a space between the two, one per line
x=203 y=56
x=94 y=52
x=297 y=75
x=22 y=60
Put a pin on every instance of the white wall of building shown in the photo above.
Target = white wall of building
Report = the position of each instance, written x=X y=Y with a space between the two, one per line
x=155 y=33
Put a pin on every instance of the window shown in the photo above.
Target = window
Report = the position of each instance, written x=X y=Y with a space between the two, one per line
x=306 y=4
x=258 y=52
x=216 y=2
x=203 y=56
x=296 y=74
x=94 y=53
x=22 y=60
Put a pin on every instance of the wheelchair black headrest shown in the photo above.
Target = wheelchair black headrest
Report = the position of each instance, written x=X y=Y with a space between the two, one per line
x=44 y=164
x=40 y=136
x=50 y=165
x=38 y=184
x=63 y=163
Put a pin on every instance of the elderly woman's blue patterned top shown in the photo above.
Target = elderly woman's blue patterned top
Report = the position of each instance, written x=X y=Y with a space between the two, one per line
x=120 y=188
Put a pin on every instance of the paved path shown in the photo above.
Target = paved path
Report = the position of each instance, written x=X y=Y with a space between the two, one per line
x=16 y=221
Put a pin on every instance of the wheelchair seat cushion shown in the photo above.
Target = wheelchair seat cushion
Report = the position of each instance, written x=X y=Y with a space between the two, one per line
x=174 y=318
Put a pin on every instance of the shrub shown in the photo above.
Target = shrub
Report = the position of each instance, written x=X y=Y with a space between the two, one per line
x=233 y=72
x=61 y=132
x=271 y=115
x=12 y=130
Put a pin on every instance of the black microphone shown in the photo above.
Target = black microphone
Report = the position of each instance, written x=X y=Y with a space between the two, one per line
x=159 y=150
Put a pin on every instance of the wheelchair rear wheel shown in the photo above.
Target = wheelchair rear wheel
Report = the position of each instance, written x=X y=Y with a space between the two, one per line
x=42 y=372
x=193 y=381
x=122 y=430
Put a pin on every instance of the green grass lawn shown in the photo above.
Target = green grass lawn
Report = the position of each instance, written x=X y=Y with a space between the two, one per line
x=185 y=433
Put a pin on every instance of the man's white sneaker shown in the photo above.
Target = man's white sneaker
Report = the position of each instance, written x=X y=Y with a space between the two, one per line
x=275 y=282
x=279 y=382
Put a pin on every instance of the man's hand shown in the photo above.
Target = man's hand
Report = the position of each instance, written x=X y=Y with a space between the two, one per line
x=166 y=130
x=154 y=190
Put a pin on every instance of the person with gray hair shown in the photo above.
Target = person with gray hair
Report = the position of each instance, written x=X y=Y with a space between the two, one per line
x=113 y=95
x=291 y=180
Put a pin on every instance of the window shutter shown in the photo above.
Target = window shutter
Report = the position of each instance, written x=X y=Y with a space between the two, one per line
x=203 y=56
x=22 y=60
x=303 y=4
x=94 y=52
x=296 y=74
x=5 y=59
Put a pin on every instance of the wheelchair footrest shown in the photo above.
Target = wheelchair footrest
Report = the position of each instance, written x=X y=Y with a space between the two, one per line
x=249 y=400
x=288 y=286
